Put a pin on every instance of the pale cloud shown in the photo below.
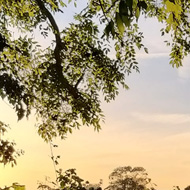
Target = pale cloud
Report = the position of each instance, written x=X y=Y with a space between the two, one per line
x=162 y=118
x=142 y=55
x=151 y=55
x=180 y=139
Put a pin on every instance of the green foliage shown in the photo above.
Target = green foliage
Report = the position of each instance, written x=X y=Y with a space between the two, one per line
x=124 y=14
x=68 y=180
x=14 y=186
x=8 y=154
x=63 y=82
x=130 y=178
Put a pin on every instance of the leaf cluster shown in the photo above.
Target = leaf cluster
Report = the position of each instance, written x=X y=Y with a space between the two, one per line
x=68 y=180
x=8 y=153
x=122 y=15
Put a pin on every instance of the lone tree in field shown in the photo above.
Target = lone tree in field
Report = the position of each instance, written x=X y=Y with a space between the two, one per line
x=128 y=178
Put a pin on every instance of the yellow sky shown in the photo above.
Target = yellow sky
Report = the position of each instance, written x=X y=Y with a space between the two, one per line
x=142 y=129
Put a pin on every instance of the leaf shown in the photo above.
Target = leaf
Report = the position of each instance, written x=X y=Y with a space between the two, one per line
x=110 y=28
x=123 y=8
x=119 y=23
x=75 y=4
x=170 y=6
x=126 y=20
x=146 y=50
x=129 y=4
x=142 y=4
x=137 y=13
x=62 y=3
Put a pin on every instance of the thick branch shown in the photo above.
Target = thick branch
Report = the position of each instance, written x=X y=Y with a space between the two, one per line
x=59 y=46
x=51 y=19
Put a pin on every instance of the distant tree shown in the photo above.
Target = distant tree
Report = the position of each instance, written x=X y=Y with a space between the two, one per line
x=69 y=180
x=178 y=188
x=128 y=178
x=96 y=186
x=187 y=188
x=14 y=186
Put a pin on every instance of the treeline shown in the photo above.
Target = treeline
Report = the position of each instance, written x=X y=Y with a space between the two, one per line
x=122 y=178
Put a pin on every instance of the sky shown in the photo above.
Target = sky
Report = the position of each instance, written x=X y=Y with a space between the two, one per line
x=147 y=125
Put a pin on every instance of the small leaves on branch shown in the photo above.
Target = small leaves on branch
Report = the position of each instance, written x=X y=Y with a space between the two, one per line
x=8 y=153
x=63 y=81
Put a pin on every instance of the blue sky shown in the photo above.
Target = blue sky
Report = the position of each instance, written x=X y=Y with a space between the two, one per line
x=147 y=125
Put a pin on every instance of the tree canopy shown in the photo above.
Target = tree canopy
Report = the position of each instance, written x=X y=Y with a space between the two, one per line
x=128 y=178
x=63 y=81
x=69 y=180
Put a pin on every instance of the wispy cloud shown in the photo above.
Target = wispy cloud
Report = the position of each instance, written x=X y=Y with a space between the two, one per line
x=162 y=118
x=151 y=55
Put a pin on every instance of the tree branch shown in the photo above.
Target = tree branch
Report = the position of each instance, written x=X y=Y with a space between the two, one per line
x=104 y=13
x=59 y=46
x=107 y=11
x=45 y=11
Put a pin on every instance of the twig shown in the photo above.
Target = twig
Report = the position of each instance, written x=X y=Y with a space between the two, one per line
x=103 y=10
x=52 y=157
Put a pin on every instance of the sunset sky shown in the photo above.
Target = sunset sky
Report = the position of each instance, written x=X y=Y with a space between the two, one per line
x=147 y=125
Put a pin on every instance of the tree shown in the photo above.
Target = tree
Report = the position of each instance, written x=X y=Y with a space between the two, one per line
x=122 y=17
x=187 y=188
x=128 y=178
x=69 y=180
x=178 y=188
x=63 y=82
x=66 y=180
x=14 y=186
